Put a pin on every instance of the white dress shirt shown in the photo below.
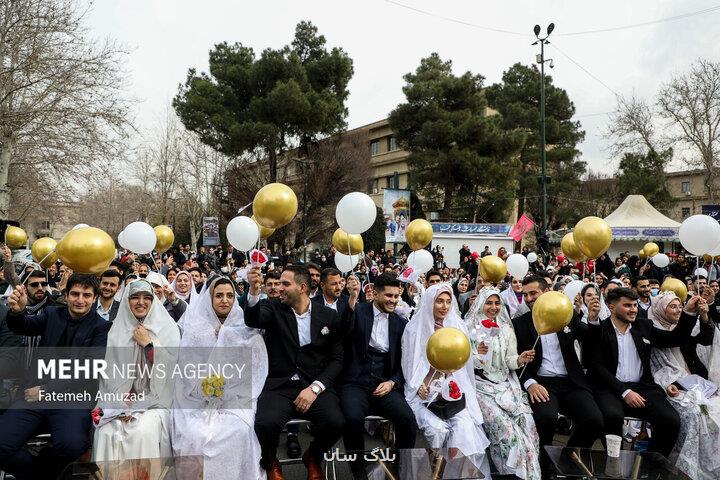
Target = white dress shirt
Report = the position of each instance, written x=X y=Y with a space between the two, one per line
x=629 y=367
x=303 y=326
x=553 y=363
x=105 y=314
x=332 y=305
x=644 y=306
x=380 y=336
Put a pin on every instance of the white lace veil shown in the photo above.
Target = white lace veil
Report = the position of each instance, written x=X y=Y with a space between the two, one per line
x=476 y=315
x=415 y=364
x=190 y=296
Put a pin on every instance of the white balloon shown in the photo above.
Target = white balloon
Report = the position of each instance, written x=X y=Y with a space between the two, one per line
x=699 y=234
x=140 y=238
x=121 y=240
x=700 y=272
x=573 y=289
x=532 y=257
x=242 y=233
x=421 y=260
x=517 y=265
x=80 y=225
x=355 y=212
x=661 y=260
x=715 y=251
x=346 y=263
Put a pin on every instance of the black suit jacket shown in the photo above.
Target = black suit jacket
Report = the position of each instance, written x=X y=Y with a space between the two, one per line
x=345 y=313
x=321 y=359
x=526 y=335
x=602 y=350
x=358 y=341
x=50 y=324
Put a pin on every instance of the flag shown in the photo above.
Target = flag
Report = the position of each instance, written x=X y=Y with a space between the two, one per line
x=523 y=225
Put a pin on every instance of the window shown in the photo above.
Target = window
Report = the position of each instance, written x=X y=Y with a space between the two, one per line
x=374 y=147
x=373 y=186
x=685 y=186
x=392 y=143
x=393 y=181
x=685 y=211
x=44 y=225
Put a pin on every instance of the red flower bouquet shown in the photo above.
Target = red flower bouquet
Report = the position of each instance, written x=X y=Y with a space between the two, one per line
x=96 y=415
x=487 y=323
x=454 y=390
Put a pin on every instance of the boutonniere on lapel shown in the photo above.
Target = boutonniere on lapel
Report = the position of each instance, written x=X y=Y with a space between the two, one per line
x=325 y=330
x=646 y=341
x=566 y=329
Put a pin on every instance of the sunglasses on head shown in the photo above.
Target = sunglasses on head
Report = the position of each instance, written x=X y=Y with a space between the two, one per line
x=38 y=284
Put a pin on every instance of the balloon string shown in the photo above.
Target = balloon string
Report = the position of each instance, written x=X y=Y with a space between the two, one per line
x=432 y=378
x=533 y=348
x=243 y=208
x=697 y=277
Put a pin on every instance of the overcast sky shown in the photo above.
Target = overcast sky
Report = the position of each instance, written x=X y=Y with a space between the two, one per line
x=386 y=41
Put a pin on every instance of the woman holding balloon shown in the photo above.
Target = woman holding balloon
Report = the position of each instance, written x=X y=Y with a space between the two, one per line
x=464 y=429
x=509 y=420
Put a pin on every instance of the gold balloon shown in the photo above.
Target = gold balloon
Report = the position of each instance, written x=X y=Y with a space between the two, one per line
x=651 y=249
x=86 y=250
x=15 y=237
x=43 y=251
x=448 y=349
x=492 y=268
x=677 y=286
x=264 y=231
x=642 y=254
x=275 y=205
x=342 y=241
x=165 y=238
x=418 y=234
x=551 y=312
x=593 y=236
x=571 y=251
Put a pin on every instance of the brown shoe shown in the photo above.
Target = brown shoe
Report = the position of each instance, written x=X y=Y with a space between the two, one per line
x=275 y=472
x=313 y=466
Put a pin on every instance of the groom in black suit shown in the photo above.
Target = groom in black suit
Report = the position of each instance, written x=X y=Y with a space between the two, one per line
x=74 y=325
x=372 y=380
x=305 y=355
x=618 y=355
x=555 y=380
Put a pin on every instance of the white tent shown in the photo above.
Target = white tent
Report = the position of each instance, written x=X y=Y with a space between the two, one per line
x=636 y=222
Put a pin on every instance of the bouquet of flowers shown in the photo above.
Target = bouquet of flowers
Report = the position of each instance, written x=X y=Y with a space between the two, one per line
x=213 y=388
x=484 y=332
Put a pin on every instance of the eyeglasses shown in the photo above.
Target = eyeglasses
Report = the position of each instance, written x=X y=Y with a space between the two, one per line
x=38 y=284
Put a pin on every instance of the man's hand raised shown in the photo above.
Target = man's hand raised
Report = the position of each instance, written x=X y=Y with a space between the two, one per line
x=254 y=278
x=18 y=299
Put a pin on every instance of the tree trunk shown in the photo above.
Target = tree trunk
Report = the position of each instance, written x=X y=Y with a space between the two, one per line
x=7 y=145
x=272 y=158
x=447 y=203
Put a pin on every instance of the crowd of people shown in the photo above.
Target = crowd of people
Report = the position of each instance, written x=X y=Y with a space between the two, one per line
x=334 y=348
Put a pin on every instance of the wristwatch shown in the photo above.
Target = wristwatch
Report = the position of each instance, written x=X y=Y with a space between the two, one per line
x=315 y=388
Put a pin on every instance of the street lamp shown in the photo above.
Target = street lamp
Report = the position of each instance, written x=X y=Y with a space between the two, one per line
x=544 y=180
x=304 y=163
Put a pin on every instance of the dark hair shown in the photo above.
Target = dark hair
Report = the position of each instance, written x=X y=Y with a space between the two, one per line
x=385 y=280
x=313 y=265
x=328 y=272
x=639 y=279
x=84 y=280
x=36 y=274
x=300 y=272
x=431 y=273
x=172 y=269
x=273 y=274
x=614 y=295
x=695 y=278
x=111 y=273
x=195 y=269
x=588 y=287
x=221 y=281
x=536 y=279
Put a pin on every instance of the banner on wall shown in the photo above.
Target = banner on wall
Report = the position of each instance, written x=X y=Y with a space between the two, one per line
x=396 y=210
x=211 y=231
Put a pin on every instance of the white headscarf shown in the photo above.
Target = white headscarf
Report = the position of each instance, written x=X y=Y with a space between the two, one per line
x=122 y=350
x=476 y=313
x=604 y=310
x=415 y=364
x=188 y=297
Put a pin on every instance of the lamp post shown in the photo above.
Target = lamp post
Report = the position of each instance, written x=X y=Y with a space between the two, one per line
x=544 y=180
x=304 y=164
